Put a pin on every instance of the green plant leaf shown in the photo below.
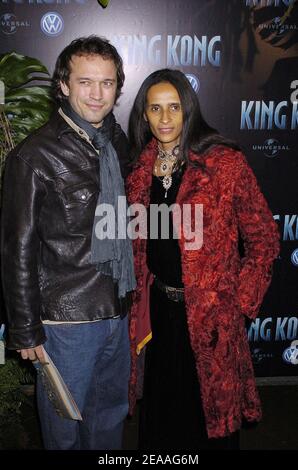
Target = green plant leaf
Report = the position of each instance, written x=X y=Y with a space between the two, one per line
x=17 y=70
x=103 y=3
x=26 y=107
x=30 y=94
x=27 y=93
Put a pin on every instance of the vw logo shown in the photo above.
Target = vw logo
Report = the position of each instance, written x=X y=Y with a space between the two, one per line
x=194 y=81
x=294 y=257
x=52 y=24
x=290 y=354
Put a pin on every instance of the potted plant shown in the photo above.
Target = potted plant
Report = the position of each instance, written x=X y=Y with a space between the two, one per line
x=16 y=382
x=27 y=103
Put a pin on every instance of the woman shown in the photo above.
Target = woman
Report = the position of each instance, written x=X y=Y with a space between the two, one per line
x=198 y=381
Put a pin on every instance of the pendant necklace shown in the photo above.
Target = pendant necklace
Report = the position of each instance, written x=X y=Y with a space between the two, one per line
x=164 y=166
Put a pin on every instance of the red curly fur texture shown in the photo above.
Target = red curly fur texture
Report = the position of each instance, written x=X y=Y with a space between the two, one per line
x=220 y=287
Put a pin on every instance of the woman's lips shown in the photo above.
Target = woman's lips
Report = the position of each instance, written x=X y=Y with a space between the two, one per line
x=165 y=130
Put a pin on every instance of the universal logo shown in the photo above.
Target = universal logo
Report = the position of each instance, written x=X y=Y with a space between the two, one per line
x=258 y=355
x=278 y=26
x=10 y=23
x=290 y=355
x=194 y=81
x=52 y=24
x=271 y=148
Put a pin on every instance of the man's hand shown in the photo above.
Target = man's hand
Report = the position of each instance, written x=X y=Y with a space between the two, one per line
x=33 y=353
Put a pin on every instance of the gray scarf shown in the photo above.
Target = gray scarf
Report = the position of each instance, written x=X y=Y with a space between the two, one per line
x=112 y=256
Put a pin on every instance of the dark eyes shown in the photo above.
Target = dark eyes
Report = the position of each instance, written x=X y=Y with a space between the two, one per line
x=175 y=107
x=107 y=83
x=172 y=108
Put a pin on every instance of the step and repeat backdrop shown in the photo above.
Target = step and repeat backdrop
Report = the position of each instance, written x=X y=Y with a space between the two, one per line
x=241 y=58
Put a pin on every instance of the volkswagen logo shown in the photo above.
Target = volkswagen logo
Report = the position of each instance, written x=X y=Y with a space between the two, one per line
x=52 y=24
x=194 y=81
x=294 y=257
x=290 y=355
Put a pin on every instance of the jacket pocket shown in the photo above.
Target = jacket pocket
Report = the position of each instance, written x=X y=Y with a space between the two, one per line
x=79 y=202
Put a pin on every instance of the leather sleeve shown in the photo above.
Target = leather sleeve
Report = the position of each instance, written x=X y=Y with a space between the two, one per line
x=23 y=192
x=260 y=235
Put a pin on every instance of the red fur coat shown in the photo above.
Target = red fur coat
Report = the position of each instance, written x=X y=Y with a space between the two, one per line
x=220 y=287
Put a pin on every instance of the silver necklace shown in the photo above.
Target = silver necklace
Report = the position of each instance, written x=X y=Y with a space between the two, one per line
x=167 y=161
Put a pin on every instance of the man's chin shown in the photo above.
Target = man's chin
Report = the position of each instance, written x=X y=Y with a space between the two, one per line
x=95 y=120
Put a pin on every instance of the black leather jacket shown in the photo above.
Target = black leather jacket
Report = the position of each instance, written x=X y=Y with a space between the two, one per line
x=51 y=186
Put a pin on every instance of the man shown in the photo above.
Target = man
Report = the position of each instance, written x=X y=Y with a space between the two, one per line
x=66 y=289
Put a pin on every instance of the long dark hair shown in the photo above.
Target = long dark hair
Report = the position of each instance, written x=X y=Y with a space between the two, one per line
x=196 y=134
x=91 y=45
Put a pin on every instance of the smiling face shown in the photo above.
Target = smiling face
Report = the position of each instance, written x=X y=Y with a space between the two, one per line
x=91 y=89
x=164 y=114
